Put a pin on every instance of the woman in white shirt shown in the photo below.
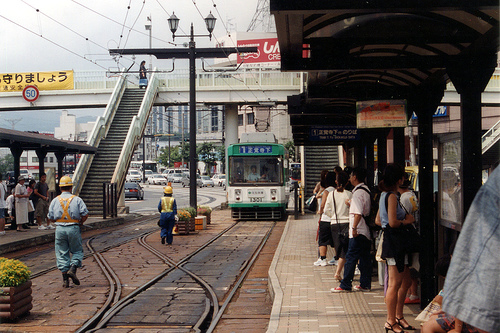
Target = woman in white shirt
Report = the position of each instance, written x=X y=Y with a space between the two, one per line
x=337 y=208
x=325 y=233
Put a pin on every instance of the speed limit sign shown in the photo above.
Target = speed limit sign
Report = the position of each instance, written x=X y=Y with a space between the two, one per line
x=31 y=93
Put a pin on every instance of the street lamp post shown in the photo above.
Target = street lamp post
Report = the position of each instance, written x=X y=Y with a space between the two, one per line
x=173 y=23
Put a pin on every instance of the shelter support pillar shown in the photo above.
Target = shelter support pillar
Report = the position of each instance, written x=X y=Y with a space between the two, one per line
x=382 y=150
x=60 y=157
x=231 y=127
x=41 y=153
x=399 y=145
x=470 y=77
x=16 y=151
x=424 y=103
x=368 y=146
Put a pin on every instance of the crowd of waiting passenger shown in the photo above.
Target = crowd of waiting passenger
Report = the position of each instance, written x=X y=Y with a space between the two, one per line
x=468 y=301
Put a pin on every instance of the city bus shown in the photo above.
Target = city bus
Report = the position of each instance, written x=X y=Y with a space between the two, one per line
x=258 y=186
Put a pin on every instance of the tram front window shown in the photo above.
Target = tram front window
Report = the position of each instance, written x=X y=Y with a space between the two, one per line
x=255 y=170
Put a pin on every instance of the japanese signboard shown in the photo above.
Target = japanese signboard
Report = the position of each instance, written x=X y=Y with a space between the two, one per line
x=330 y=133
x=60 y=80
x=379 y=114
x=268 y=50
x=260 y=149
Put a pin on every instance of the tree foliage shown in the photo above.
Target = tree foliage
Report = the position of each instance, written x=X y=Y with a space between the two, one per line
x=6 y=163
x=291 y=149
x=207 y=154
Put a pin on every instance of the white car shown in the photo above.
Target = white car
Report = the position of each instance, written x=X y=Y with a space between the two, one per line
x=206 y=181
x=219 y=179
x=134 y=176
x=157 y=179
x=176 y=177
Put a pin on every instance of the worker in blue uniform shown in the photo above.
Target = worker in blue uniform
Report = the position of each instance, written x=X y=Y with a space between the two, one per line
x=68 y=212
x=168 y=209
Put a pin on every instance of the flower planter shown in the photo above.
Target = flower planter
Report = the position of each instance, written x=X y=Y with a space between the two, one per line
x=15 y=301
x=208 y=218
x=192 y=224
x=183 y=227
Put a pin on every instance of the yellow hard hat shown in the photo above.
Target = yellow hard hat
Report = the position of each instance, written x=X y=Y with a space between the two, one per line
x=168 y=190
x=65 y=181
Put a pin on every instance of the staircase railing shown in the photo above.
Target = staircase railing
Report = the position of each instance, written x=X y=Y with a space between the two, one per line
x=99 y=131
x=490 y=137
x=135 y=132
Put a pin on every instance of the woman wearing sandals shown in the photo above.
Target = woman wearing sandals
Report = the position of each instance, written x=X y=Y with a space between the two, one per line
x=337 y=208
x=391 y=216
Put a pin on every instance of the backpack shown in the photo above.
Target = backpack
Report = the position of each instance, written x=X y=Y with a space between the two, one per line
x=370 y=218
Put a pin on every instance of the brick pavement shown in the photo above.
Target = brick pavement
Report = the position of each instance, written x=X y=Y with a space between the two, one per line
x=303 y=301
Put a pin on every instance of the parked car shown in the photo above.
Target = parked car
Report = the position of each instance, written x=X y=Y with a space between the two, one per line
x=170 y=173
x=157 y=179
x=206 y=181
x=219 y=179
x=185 y=180
x=133 y=176
x=147 y=173
x=134 y=190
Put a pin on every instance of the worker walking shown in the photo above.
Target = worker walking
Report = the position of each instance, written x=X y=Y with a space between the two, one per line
x=168 y=209
x=69 y=212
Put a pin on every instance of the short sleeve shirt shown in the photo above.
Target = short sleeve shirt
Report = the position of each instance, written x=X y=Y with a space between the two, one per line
x=360 y=205
x=77 y=208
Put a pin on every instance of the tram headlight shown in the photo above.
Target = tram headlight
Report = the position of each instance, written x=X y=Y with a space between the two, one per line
x=237 y=193
x=273 y=194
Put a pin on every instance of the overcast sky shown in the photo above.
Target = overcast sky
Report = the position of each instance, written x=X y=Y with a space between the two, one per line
x=76 y=34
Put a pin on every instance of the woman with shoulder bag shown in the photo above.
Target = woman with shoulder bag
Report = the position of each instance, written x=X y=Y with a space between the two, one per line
x=337 y=208
x=324 y=231
x=393 y=218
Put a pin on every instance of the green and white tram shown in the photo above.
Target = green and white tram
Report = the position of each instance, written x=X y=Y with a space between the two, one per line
x=258 y=186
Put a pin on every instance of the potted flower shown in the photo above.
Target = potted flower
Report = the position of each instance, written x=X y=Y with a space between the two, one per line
x=184 y=219
x=205 y=211
x=15 y=289
x=192 y=212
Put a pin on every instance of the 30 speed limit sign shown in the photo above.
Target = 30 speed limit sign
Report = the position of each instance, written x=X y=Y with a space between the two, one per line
x=31 y=93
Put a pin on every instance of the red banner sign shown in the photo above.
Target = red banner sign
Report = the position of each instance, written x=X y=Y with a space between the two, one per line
x=268 y=50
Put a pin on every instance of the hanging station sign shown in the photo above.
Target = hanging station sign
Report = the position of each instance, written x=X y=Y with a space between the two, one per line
x=381 y=114
x=59 y=80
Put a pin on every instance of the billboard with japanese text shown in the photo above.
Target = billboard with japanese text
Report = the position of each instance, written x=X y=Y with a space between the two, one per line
x=59 y=80
x=268 y=50
x=380 y=114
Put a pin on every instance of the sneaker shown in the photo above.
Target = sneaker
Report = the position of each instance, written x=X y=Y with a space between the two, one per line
x=41 y=227
x=51 y=226
x=2 y=233
x=320 y=262
x=359 y=288
x=409 y=300
x=333 y=262
x=357 y=272
x=339 y=290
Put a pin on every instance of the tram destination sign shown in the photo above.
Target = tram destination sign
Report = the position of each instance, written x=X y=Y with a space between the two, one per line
x=333 y=133
x=256 y=149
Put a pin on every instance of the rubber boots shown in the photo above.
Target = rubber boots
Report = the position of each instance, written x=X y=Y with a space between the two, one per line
x=65 y=280
x=72 y=274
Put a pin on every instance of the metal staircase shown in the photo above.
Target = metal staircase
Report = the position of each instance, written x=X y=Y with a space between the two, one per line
x=106 y=159
x=491 y=145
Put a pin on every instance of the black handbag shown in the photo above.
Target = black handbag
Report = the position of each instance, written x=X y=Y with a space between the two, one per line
x=312 y=203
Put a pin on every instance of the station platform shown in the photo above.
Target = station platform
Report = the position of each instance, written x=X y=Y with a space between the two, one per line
x=302 y=298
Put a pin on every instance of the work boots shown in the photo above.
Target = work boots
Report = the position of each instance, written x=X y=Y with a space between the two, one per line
x=72 y=274
x=65 y=280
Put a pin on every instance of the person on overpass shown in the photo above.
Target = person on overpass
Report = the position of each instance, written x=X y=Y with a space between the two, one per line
x=69 y=212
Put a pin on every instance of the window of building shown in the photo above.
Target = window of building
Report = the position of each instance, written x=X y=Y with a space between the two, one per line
x=51 y=159
x=34 y=160
x=250 y=118
x=23 y=159
x=45 y=159
x=240 y=120
x=215 y=120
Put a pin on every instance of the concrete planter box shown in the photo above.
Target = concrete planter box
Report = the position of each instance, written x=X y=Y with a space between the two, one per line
x=15 y=301
x=201 y=222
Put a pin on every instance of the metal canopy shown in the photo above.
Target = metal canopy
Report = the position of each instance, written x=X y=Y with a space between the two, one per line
x=362 y=50
x=33 y=141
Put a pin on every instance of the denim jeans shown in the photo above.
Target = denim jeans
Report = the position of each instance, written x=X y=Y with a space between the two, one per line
x=167 y=231
x=68 y=246
x=359 y=249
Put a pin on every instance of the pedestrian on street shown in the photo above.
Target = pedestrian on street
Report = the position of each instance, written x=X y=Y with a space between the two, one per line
x=31 y=202
x=42 y=203
x=69 y=212
x=168 y=209
x=359 y=236
x=3 y=205
x=21 y=195
x=325 y=231
x=11 y=209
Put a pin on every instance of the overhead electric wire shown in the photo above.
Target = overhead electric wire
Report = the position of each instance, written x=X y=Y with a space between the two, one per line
x=123 y=24
x=129 y=30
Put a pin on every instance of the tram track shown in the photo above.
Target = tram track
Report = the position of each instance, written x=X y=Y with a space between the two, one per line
x=212 y=311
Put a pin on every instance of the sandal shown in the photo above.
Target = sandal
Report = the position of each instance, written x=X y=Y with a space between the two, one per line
x=409 y=327
x=391 y=328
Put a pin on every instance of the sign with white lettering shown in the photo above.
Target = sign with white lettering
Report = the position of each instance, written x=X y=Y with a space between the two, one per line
x=331 y=133
x=268 y=50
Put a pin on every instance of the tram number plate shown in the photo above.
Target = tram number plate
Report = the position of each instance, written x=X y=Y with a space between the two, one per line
x=255 y=199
